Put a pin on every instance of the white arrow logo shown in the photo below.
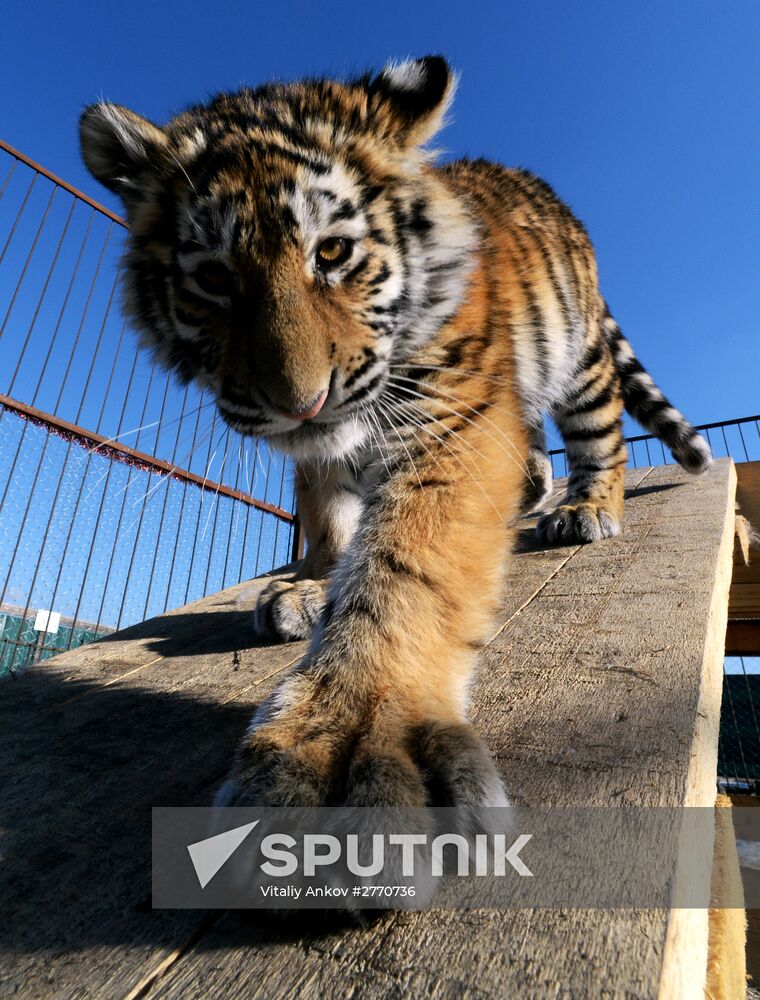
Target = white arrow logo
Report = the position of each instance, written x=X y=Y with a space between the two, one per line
x=209 y=855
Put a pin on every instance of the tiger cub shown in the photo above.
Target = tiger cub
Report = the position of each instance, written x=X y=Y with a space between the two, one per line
x=399 y=328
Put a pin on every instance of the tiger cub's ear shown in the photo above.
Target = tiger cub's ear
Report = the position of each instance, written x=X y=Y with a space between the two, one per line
x=122 y=150
x=408 y=100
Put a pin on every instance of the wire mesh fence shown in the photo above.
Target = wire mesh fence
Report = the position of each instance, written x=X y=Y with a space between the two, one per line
x=738 y=439
x=122 y=494
x=739 y=746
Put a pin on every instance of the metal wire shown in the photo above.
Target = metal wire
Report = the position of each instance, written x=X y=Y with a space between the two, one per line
x=736 y=729
x=41 y=298
x=120 y=518
x=18 y=217
x=51 y=518
x=647 y=439
x=99 y=515
x=27 y=262
x=64 y=550
x=181 y=512
x=215 y=503
x=200 y=511
x=163 y=506
x=142 y=515
x=6 y=182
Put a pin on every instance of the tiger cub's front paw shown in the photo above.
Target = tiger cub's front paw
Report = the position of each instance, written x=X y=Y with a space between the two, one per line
x=289 y=609
x=318 y=741
x=578 y=522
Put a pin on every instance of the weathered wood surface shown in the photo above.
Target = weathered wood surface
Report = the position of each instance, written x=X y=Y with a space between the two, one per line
x=600 y=685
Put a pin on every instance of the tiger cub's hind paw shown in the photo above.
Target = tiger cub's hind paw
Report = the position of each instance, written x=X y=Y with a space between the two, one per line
x=582 y=522
x=288 y=610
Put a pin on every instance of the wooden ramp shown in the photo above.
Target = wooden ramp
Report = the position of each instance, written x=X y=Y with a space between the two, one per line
x=600 y=686
x=743 y=635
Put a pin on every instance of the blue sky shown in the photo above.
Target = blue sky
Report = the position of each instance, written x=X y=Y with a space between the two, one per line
x=643 y=116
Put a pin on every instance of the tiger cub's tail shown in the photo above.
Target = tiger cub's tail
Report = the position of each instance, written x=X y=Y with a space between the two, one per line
x=647 y=404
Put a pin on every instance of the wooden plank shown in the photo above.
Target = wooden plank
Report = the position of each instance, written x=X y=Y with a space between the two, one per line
x=581 y=749
x=181 y=686
x=744 y=599
x=150 y=718
x=572 y=694
x=748 y=491
x=743 y=638
x=727 y=966
x=101 y=734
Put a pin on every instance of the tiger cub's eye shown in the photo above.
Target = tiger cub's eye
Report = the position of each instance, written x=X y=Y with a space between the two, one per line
x=213 y=277
x=333 y=251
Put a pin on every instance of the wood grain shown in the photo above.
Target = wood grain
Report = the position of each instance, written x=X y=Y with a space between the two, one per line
x=600 y=685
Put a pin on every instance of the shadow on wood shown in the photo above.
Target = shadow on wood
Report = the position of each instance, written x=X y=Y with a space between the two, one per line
x=599 y=686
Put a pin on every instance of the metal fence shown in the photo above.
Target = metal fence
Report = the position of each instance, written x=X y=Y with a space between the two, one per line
x=739 y=748
x=122 y=494
x=738 y=439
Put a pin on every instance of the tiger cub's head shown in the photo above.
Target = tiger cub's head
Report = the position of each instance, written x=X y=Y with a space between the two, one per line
x=289 y=244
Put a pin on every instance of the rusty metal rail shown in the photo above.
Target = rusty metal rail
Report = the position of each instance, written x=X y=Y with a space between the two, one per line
x=112 y=449
x=59 y=182
x=738 y=439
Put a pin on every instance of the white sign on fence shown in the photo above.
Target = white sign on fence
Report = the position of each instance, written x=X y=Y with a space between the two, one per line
x=47 y=621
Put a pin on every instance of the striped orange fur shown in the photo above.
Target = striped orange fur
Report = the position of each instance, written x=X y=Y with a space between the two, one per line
x=400 y=328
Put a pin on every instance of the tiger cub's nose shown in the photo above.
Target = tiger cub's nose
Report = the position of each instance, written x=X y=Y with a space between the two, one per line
x=308 y=413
